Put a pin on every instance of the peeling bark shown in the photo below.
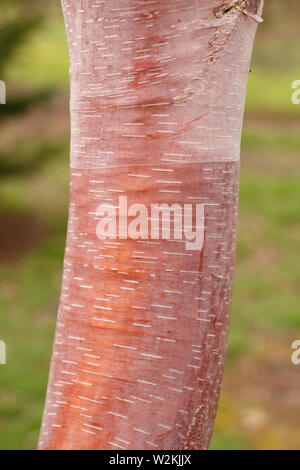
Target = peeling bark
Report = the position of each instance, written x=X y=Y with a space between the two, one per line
x=157 y=100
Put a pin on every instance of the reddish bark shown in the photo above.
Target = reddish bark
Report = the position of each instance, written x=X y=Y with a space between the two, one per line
x=157 y=98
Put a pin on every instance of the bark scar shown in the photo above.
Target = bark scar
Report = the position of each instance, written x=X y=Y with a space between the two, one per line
x=185 y=128
x=232 y=11
x=240 y=5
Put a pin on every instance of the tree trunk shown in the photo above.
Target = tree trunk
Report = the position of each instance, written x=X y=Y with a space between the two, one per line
x=157 y=100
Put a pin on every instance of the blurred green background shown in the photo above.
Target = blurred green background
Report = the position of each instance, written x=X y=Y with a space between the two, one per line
x=260 y=401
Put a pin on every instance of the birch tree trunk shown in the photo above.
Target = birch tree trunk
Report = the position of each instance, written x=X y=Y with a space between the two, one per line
x=157 y=100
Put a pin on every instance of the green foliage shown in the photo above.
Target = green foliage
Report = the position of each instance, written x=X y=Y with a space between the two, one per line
x=26 y=159
x=12 y=35
x=18 y=22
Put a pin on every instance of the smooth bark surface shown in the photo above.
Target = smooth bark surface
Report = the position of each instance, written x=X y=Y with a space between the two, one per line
x=157 y=100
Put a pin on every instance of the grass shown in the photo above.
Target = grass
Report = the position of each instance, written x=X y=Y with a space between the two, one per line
x=265 y=311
